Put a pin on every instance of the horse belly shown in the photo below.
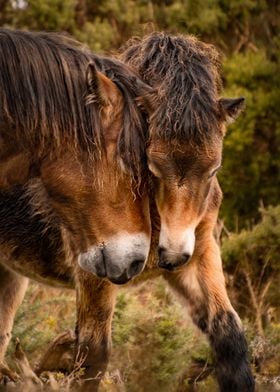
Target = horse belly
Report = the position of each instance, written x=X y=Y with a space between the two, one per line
x=33 y=271
x=29 y=244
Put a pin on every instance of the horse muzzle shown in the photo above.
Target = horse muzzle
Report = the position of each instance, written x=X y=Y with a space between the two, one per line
x=175 y=248
x=118 y=260
x=171 y=260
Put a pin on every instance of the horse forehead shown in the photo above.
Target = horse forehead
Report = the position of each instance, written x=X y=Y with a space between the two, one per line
x=184 y=154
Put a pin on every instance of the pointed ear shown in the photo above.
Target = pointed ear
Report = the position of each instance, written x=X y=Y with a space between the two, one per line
x=147 y=101
x=100 y=89
x=232 y=107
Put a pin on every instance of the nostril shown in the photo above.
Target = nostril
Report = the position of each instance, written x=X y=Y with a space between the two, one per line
x=167 y=266
x=122 y=279
x=172 y=263
x=185 y=257
x=135 y=268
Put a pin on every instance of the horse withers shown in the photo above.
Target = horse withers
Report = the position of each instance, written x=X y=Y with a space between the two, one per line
x=187 y=120
x=69 y=212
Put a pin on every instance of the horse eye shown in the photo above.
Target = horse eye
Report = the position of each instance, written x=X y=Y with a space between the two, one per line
x=215 y=171
x=154 y=170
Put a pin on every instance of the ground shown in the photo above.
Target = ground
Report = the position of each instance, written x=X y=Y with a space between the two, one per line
x=155 y=346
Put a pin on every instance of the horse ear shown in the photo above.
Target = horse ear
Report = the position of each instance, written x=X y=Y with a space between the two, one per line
x=100 y=88
x=232 y=107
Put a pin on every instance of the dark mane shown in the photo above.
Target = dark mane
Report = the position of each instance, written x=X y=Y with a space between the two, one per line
x=185 y=72
x=42 y=97
x=132 y=143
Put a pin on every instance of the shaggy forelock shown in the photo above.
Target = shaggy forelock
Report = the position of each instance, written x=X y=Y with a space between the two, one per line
x=185 y=73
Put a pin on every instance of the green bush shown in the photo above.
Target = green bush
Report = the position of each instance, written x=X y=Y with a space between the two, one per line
x=252 y=258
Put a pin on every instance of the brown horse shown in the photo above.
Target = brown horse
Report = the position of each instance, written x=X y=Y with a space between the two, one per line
x=185 y=140
x=67 y=132
x=186 y=129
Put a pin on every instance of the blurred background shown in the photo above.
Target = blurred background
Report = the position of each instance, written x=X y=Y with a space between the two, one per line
x=160 y=350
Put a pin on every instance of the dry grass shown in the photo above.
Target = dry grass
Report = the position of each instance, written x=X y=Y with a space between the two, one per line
x=155 y=348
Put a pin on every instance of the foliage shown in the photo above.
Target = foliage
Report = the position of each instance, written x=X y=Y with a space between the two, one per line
x=154 y=343
x=149 y=352
x=259 y=246
x=43 y=315
x=251 y=165
x=157 y=346
x=252 y=257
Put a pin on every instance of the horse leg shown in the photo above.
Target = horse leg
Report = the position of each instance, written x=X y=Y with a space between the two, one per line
x=95 y=307
x=201 y=283
x=12 y=290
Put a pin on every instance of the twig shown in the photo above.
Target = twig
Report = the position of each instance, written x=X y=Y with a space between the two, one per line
x=24 y=366
x=254 y=303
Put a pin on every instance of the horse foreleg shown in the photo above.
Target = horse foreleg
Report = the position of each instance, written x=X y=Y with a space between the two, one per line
x=95 y=307
x=12 y=290
x=201 y=283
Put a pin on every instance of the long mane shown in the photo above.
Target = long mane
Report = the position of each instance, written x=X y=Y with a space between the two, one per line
x=42 y=97
x=185 y=73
